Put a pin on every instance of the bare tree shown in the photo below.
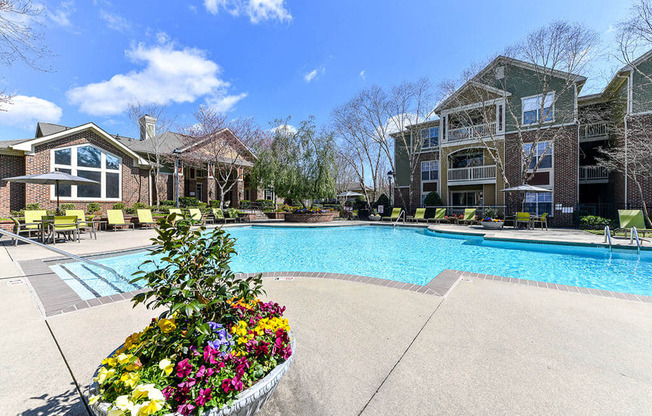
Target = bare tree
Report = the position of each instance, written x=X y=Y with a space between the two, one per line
x=386 y=117
x=217 y=145
x=156 y=147
x=555 y=55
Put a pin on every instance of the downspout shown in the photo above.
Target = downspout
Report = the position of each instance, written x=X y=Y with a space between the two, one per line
x=626 y=160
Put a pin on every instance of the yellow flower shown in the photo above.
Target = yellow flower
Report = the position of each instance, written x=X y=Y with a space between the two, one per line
x=115 y=412
x=141 y=391
x=110 y=361
x=166 y=365
x=167 y=325
x=101 y=375
x=93 y=399
x=124 y=358
x=130 y=379
x=123 y=403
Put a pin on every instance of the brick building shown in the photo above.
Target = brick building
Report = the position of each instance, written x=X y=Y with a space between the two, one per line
x=122 y=166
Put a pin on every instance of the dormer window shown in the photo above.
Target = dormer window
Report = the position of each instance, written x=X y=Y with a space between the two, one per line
x=430 y=138
x=538 y=109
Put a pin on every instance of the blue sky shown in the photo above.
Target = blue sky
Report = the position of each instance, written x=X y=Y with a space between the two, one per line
x=263 y=58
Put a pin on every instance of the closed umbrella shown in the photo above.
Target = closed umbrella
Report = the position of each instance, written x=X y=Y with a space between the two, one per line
x=53 y=178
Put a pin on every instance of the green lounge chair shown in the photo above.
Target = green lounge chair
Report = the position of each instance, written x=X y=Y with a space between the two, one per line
x=543 y=220
x=176 y=211
x=66 y=225
x=145 y=218
x=195 y=215
x=469 y=217
x=219 y=216
x=440 y=215
x=522 y=218
x=117 y=219
x=31 y=225
x=419 y=215
x=630 y=218
x=233 y=214
x=81 y=221
x=396 y=213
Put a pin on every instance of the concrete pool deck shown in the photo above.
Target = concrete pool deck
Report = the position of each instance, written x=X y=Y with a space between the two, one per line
x=489 y=347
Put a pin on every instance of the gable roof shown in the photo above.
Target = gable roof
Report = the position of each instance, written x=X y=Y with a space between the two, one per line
x=46 y=129
x=466 y=86
x=27 y=145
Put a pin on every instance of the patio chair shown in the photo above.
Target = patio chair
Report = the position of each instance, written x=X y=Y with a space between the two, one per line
x=116 y=219
x=67 y=225
x=419 y=215
x=23 y=228
x=469 y=217
x=440 y=215
x=195 y=215
x=543 y=220
x=522 y=218
x=145 y=218
x=82 y=223
x=178 y=213
x=33 y=220
x=630 y=218
x=396 y=213
x=219 y=216
x=233 y=214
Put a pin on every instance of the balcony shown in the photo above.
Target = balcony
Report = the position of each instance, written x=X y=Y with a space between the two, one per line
x=594 y=132
x=593 y=174
x=472 y=176
x=467 y=133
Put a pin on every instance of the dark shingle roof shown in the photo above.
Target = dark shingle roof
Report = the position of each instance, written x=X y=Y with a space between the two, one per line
x=47 y=129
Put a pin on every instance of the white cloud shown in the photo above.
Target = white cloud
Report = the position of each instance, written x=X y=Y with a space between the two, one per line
x=170 y=75
x=284 y=129
x=115 y=22
x=24 y=112
x=363 y=74
x=61 y=15
x=224 y=103
x=312 y=75
x=256 y=10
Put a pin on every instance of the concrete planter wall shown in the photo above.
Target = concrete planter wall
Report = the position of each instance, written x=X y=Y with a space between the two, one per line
x=311 y=218
x=249 y=402
x=275 y=215
x=492 y=225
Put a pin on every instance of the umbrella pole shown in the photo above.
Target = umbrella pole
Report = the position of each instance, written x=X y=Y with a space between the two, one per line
x=57 y=187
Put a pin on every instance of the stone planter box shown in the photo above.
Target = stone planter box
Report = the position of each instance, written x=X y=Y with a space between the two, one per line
x=275 y=215
x=248 y=403
x=492 y=225
x=311 y=218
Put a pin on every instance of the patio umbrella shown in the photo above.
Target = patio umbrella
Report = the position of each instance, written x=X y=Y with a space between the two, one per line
x=526 y=188
x=53 y=178
x=348 y=194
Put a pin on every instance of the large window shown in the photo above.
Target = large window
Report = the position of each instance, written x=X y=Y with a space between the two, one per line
x=542 y=150
x=538 y=203
x=92 y=163
x=466 y=159
x=430 y=170
x=534 y=112
x=430 y=137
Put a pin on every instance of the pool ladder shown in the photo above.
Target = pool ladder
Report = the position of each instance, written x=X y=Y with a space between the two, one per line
x=64 y=253
x=402 y=214
x=639 y=243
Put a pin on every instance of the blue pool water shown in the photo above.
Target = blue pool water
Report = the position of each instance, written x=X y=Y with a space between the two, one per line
x=403 y=254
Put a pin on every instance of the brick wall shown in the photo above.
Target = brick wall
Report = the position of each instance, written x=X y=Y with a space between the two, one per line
x=12 y=195
x=135 y=181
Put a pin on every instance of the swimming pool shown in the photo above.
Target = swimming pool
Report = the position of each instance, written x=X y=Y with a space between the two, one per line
x=403 y=254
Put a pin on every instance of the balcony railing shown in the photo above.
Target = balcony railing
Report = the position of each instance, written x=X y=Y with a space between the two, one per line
x=594 y=131
x=472 y=175
x=593 y=174
x=471 y=132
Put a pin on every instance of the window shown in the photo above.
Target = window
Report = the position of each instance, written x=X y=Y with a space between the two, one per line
x=91 y=163
x=430 y=170
x=430 y=137
x=538 y=203
x=542 y=149
x=467 y=159
x=534 y=113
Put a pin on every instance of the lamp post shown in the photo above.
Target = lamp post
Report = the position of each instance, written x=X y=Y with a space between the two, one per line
x=390 y=176
x=176 y=152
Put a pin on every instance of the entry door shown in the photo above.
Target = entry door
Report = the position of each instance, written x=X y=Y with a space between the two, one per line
x=198 y=192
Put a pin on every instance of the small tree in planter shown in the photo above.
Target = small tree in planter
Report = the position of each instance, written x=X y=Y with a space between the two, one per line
x=214 y=339
x=432 y=200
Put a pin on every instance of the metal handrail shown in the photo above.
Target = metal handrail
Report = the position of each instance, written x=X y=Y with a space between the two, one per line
x=607 y=236
x=402 y=214
x=634 y=232
x=63 y=253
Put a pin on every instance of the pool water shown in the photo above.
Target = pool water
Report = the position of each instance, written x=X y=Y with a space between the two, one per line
x=402 y=254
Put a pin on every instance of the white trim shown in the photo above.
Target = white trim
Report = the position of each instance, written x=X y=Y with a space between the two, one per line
x=74 y=168
x=28 y=146
x=540 y=106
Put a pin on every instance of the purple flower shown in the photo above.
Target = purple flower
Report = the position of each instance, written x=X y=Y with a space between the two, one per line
x=168 y=392
x=214 y=326
x=185 y=409
x=201 y=372
x=204 y=396
x=184 y=368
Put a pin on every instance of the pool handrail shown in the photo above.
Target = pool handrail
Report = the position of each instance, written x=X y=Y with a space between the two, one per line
x=63 y=253
x=607 y=236
x=634 y=233
x=402 y=214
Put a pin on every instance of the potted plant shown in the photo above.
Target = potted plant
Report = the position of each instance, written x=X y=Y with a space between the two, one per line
x=216 y=348
x=374 y=216
x=489 y=220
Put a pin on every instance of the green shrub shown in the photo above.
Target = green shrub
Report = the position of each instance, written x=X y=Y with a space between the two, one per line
x=215 y=203
x=119 y=205
x=432 y=199
x=140 y=205
x=593 y=222
x=93 y=207
x=66 y=207
x=188 y=202
x=33 y=206
x=384 y=201
x=202 y=206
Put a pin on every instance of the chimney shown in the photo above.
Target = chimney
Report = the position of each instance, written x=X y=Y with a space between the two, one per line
x=147 y=127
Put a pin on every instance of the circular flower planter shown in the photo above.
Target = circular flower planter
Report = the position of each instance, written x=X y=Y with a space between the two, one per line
x=311 y=217
x=248 y=403
x=492 y=225
x=374 y=218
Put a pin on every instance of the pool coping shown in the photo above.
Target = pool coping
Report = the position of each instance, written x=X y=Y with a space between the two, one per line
x=55 y=297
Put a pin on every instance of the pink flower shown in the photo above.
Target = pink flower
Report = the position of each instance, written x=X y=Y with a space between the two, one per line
x=185 y=409
x=168 y=392
x=226 y=385
x=204 y=396
x=201 y=372
x=210 y=371
x=209 y=354
x=184 y=368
